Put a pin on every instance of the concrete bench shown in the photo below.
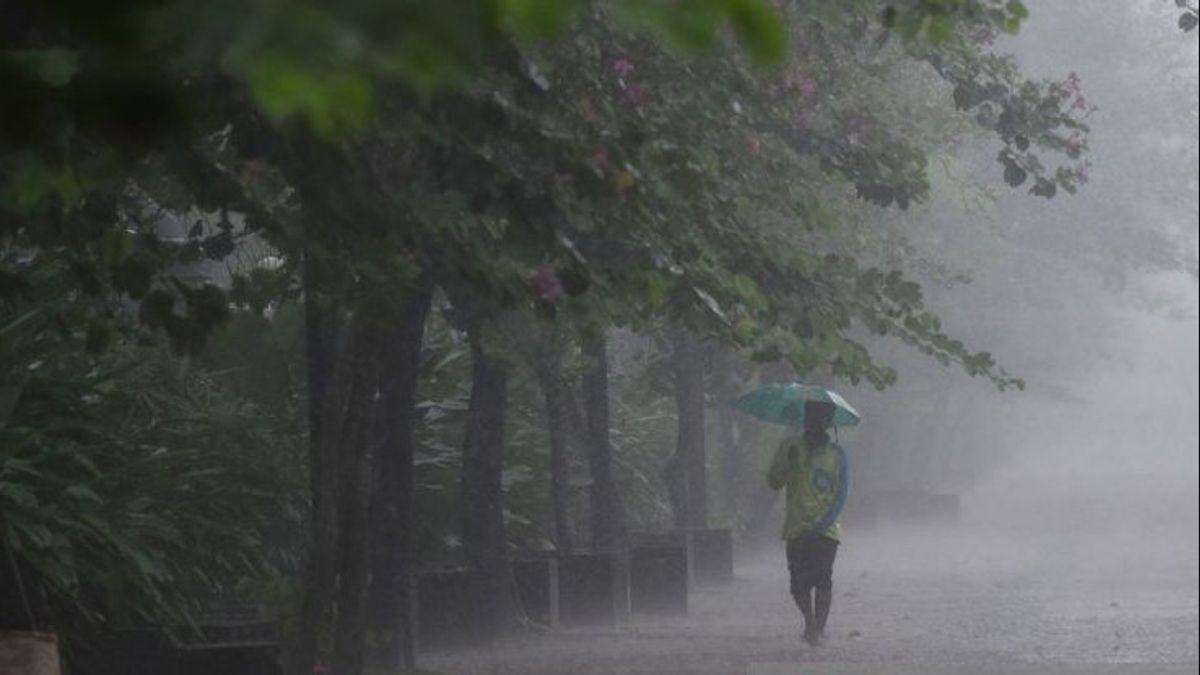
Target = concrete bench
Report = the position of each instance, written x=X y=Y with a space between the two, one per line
x=590 y=588
x=537 y=588
x=660 y=572
x=131 y=652
x=712 y=556
x=446 y=616
x=231 y=658
x=227 y=647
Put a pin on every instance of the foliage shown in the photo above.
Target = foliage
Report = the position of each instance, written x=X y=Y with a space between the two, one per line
x=555 y=159
x=1189 y=18
x=693 y=192
x=319 y=64
x=133 y=483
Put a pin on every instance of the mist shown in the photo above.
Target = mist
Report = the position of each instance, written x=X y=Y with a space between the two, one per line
x=640 y=337
x=1115 y=449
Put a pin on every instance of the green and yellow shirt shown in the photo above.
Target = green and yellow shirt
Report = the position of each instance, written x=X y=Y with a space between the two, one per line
x=816 y=484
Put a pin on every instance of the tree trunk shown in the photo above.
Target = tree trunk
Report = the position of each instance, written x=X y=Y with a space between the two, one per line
x=728 y=434
x=392 y=499
x=607 y=512
x=739 y=468
x=482 y=492
x=686 y=472
x=733 y=458
x=324 y=401
x=555 y=392
x=349 y=637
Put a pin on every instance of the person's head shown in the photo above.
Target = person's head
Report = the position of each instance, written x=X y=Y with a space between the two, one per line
x=818 y=416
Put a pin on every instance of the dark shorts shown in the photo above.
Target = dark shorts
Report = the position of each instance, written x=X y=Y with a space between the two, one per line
x=810 y=562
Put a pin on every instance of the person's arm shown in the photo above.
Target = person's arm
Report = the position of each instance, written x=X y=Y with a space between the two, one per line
x=777 y=475
x=839 y=498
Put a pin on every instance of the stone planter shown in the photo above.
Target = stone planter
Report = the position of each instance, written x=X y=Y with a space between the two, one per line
x=29 y=653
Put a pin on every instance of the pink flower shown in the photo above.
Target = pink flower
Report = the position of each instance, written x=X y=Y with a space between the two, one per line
x=635 y=94
x=798 y=82
x=600 y=157
x=985 y=35
x=622 y=67
x=1079 y=103
x=1070 y=86
x=546 y=284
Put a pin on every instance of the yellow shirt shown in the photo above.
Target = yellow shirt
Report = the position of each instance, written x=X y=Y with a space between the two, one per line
x=816 y=486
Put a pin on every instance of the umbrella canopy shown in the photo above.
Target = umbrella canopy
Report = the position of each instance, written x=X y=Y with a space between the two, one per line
x=784 y=404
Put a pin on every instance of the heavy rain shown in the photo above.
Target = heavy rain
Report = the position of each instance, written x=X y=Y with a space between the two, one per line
x=718 y=337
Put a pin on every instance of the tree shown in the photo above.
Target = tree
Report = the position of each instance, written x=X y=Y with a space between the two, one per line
x=392 y=494
x=262 y=117
x=686 y=473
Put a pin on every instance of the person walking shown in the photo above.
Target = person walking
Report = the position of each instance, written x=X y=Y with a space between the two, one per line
x=812 y=469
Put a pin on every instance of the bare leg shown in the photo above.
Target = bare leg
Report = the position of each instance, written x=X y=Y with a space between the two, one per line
x=823 y=585
x=823 y=600
x=804 y=601
x=801 y=586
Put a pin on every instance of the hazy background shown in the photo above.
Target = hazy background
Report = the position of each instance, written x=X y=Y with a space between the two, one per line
x=1091 y=298
x=1123 y=454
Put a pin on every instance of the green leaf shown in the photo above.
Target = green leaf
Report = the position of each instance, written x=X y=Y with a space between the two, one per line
x=55 y=66
x=333 y=103
x=760 y=30
x=1017 y=9
x=84 y=493
x=534 y=18
x=1014 y=175
x=98 y=337
x=940 y=29
x=655 y=287
x=888 y=17
x=30 y=183
x=18 y=494
x=691 y=28
x=115 y=246
x=749 y=292
x=908 y=24
x=1044 y=188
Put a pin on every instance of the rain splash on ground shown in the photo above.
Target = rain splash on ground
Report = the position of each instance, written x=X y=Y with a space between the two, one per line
x=951 y=600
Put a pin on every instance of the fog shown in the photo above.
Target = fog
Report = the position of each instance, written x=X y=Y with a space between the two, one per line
x=1077 y=537
x=1117 y=450
x=1122 y=456
x=500 y=336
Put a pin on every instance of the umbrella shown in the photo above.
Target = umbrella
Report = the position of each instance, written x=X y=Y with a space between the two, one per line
x=784 y=404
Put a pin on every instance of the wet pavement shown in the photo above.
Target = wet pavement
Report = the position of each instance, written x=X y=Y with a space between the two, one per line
x=953 y=600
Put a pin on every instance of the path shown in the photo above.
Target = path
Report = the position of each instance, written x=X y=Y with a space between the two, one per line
x=922 y=602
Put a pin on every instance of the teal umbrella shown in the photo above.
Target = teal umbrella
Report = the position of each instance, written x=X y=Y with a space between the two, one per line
x=784 y=404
